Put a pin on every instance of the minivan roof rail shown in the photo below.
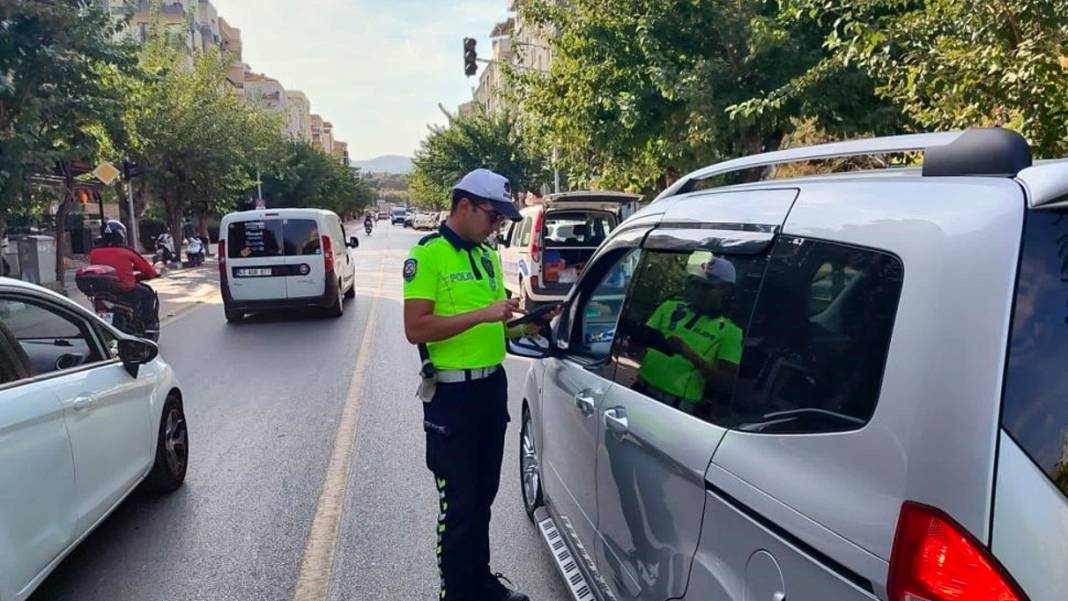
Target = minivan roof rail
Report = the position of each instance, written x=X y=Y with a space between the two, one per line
x=989 y=152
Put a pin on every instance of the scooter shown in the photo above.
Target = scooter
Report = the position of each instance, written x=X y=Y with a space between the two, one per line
x=195 y=251
x=100 y=284
x=164 y=250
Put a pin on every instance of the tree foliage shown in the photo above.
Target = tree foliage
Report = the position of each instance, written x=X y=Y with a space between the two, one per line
x=641 y=91
x=951 y=64
x=58 y=105
x=309 y=177
x=468 y=142
x=199 y=142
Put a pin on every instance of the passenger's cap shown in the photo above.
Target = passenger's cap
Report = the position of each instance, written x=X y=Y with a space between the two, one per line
x=487 y=186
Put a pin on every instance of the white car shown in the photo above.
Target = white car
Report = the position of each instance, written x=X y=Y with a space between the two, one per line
x=87 y=413
x=544 y=254
x=425 y=221
x=285 y=258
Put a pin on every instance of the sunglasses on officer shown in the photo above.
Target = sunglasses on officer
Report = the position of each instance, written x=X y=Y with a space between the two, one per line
x=494 y=215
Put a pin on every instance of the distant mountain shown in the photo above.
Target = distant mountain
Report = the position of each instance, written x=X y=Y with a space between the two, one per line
x=390 y=163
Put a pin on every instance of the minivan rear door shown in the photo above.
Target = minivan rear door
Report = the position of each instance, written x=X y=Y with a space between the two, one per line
x=254 y=258
x=304 y=258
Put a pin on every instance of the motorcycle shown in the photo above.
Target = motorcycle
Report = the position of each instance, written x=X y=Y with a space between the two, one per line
x=195 y=251
x=164 y=250
x=367 y=227
x=100 y=284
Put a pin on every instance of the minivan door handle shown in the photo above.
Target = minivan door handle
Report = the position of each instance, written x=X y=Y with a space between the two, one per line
x=82 y=403
x=615 y=420
x=585 y=403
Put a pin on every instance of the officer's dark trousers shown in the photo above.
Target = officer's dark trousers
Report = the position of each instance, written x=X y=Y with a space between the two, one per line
x=465 y=426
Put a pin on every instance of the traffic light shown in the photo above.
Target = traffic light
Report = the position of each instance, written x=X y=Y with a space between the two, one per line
x=470 y=57
x=130 y=169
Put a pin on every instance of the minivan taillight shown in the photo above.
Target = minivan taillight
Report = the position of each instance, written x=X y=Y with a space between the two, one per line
x=934 y=559
x=535 y=238
x=328 y=254
x=222 y=258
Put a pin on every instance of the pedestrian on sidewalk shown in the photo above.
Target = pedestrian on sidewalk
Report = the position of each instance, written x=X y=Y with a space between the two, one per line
x=455 y=312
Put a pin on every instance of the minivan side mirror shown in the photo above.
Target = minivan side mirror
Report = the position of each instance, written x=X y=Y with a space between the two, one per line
x=538 y=347
x=135 y=352
x=502 y=239
x=354 y=242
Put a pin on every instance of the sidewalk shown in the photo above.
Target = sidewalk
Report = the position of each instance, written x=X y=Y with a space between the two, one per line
x=179 y=289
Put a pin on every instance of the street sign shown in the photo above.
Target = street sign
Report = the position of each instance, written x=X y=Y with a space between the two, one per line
x=106 y=172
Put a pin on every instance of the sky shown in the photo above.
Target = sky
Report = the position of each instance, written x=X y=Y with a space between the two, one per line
x=376 y=69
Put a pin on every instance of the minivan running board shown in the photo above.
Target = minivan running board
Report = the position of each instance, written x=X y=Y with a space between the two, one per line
x=566 y=563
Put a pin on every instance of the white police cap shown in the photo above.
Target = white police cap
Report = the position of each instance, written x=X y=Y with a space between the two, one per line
x=487 y=186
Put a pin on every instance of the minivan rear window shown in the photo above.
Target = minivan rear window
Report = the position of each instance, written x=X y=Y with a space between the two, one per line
x=254 y=239
x=301 y=237
x=1035 y=409
x=577 y=228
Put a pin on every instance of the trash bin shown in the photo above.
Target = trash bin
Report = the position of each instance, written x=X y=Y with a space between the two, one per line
x=37 y=259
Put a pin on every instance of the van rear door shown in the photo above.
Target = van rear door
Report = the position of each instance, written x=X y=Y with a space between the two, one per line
x=569 y=239
x=304 y=257
x=254 y=258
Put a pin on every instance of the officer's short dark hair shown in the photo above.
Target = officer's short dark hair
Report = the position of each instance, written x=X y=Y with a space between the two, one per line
x=457 y=196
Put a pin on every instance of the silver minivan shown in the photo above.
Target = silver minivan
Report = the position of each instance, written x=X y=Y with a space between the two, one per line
x=285 y=258
x=841 y=387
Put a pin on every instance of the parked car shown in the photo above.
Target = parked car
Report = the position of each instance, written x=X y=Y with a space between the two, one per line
x=425 y=220
x=398 y=215
x=87 y=414
x=285 y=259
x=409 y=219
x=543 y=255
x=382 y=216
x=845 y=387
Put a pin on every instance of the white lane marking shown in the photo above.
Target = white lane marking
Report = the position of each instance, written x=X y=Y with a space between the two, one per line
x=313 y=580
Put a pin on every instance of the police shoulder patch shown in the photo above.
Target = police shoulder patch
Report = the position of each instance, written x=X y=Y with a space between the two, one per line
x=410 y=267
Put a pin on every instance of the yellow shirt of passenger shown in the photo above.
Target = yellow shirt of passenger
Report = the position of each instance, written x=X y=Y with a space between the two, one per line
x=459 y=277
x=713 y=338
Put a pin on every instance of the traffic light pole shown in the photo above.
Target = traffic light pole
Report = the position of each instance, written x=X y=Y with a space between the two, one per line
x=134 y=237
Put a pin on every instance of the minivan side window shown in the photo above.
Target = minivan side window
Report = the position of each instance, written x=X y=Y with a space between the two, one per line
x=524 y=232
x=1035 y=409
x=818 y=340
x=681 y=337
x=595 y=324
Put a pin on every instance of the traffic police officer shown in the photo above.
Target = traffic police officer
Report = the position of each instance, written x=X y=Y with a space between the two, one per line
x=705 y=345
x=455 y=311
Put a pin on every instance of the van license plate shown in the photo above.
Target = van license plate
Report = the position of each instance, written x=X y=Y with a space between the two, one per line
x=254 y=272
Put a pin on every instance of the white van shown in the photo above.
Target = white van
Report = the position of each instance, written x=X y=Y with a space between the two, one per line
x=543 y=255
x=285 y=258
x=425 y=220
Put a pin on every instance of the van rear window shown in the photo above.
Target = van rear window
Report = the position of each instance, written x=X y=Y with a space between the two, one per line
x=301 y=237
x=254 y=239
x=1035 y=409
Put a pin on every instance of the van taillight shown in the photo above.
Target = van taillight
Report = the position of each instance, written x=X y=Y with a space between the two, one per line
x=535 y=237
x=934 y=559
x=222 y=258
x=328 y=254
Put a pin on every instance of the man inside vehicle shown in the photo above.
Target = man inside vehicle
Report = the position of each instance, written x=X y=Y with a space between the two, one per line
x=114 y=253
x=693 y=347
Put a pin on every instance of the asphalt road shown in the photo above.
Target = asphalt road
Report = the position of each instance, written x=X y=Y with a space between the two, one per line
x=264 y=400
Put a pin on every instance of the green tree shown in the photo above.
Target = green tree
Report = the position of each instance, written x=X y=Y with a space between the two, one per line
x=641 y=91
x=308 y=177
x=199 y=142
x=58 y=103
x=470 y=141
x=951 y=64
